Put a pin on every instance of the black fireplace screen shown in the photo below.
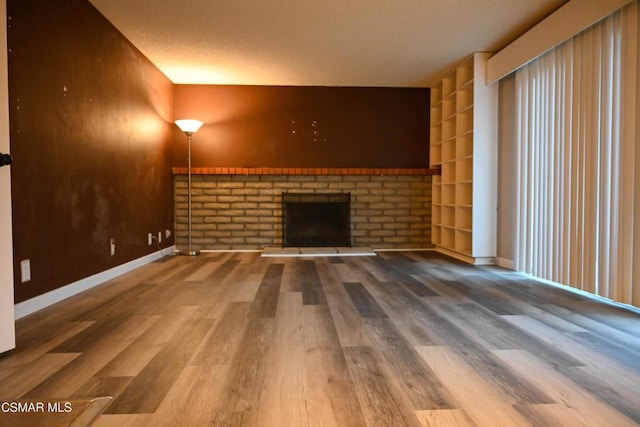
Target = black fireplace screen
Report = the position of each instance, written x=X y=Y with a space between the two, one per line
x=316 y=219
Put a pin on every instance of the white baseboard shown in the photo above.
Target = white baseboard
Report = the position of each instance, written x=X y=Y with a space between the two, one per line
x=32 y=305
x=404 y=250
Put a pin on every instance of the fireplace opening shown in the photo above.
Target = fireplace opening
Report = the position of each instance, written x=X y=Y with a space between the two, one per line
x=316 y=219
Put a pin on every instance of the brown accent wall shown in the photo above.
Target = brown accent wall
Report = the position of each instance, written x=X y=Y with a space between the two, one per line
x=309 y=127
x=91 y=134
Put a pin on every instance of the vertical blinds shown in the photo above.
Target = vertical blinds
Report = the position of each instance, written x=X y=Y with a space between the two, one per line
x=579 y=192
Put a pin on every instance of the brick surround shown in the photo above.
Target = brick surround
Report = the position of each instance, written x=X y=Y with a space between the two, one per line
x=243 y=211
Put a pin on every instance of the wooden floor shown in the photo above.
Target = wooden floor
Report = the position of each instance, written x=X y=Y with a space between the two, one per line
x=407 y=338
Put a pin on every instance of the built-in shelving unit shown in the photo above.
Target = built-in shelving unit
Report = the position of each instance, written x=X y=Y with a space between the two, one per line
x=464 y=145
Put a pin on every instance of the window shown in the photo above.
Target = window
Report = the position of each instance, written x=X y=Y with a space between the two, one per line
x=577 y=180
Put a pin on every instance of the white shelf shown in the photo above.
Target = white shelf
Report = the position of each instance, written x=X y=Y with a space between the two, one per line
x=464 y=145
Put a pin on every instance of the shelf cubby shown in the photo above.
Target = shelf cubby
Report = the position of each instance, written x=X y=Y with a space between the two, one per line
x=464 y=146
x=464 y=218
x=463 y=194
x=464 y=169
x=447 y=237
x=463 y=242
x=448 y=85
x=464 y=75
x=436 y=95
x=448 y=173
x=449 y=150
x=464 y=99
x=435 y=155
x=464 y=122
x=449 y=129
x=435 y=234
x=448 y=216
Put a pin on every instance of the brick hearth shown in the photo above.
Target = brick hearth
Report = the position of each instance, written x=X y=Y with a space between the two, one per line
x=232 y=210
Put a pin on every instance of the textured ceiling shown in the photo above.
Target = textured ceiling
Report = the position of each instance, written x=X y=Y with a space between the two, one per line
x=409 y=43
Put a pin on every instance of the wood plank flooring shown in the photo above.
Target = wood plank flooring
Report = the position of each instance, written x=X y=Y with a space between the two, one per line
x=404 y=338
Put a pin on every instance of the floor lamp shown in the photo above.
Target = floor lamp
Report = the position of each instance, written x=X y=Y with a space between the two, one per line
x=189 y=127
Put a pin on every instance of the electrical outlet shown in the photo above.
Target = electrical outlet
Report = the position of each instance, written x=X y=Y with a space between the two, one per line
x=159 y=236
x=25 y=270
x=150 y=239
x=112 y=245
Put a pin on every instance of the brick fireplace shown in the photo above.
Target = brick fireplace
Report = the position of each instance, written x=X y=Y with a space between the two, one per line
x=241 y=208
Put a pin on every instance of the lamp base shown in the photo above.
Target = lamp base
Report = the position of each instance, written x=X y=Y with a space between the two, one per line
x=188 y=253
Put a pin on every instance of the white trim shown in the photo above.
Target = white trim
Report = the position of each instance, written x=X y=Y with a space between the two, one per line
x=466 y=258
x=229 y=250
x=505 y=263
x=7 y=324
x=32 y=305
x=405 y=250
x=564 y=23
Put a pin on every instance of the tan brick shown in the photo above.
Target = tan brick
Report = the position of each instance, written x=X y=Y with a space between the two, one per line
x=216 y=219
x=259 y=199
x=382 y=219
x=260 y=185
x=244 y=205
x=259 y=213
x=259 y=240
x=356 y=178
x=394 y=226
x=231 y=185
x=202 y=199
x=231 y=226
x=231 y=199
x=412 y=219
x=410 y=232
x=340 y=185
x=245 y=192
x=357 y=219
x=383 y=192
x=368 y=226
x=216 y=191
x=217 y=178
x=274 y=178
x=314 y=185
x=232 y=240
x=302 y=178
x=231 y=212
x=245 y=178
x=286 y=185
x=270 y=219
x=329 y=178
x=216 y=206
x=370 y=199
x=357 y=192
x=384 y=178
x=258 y=227
x=382 y=205
x=394 y=239
x=396 y=212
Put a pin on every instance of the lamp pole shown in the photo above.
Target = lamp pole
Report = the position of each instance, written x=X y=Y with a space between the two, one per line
x=189 y=135
x=189 y=127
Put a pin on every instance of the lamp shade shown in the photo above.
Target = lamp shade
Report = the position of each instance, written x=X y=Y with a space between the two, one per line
x=189 y=126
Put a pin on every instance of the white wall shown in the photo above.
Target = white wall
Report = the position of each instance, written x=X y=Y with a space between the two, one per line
x=7 y=323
